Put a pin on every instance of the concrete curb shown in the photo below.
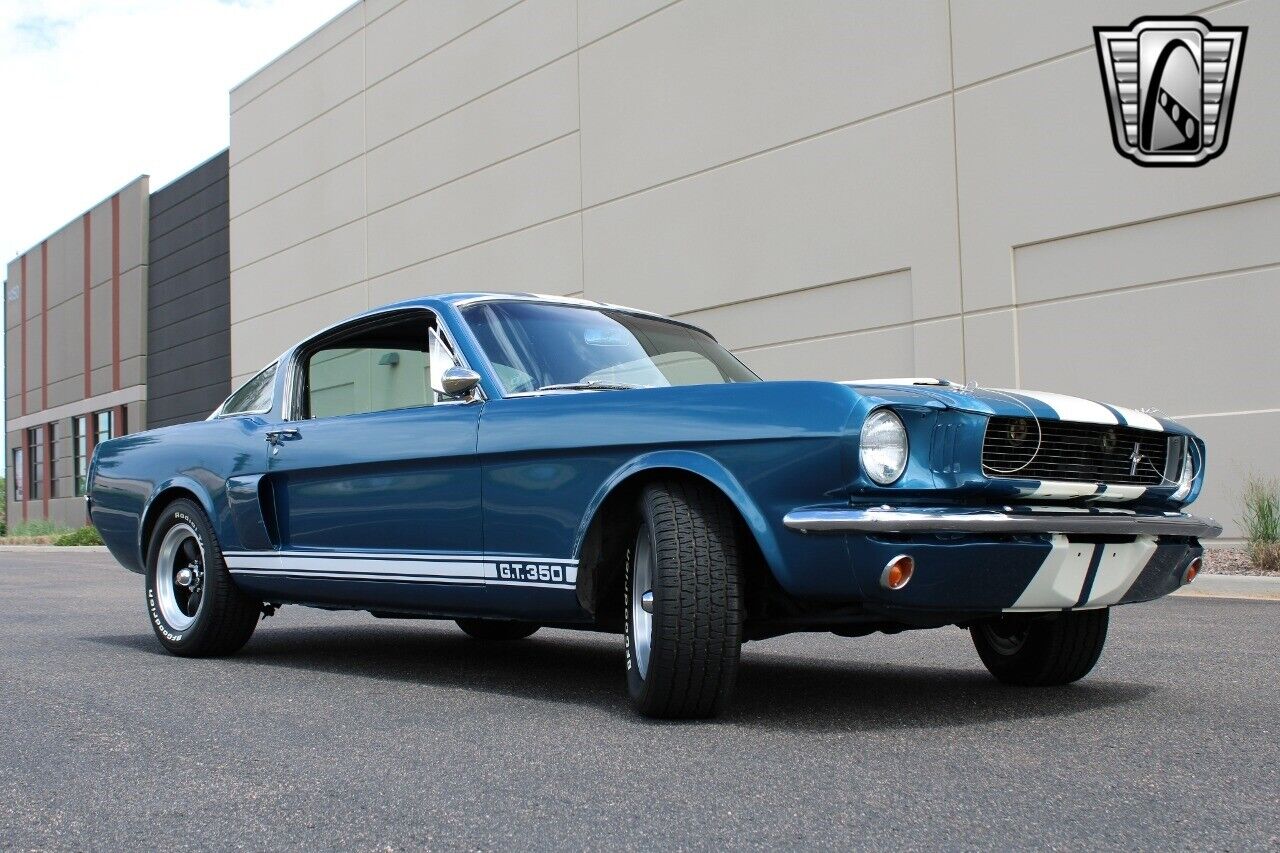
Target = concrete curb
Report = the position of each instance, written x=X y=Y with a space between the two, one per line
x=1232 y=586
x=61 y=549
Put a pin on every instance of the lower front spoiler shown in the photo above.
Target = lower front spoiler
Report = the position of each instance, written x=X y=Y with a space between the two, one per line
x=1009 y=519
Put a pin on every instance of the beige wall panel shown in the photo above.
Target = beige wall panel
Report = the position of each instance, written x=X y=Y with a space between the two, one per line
x=133 y=316
x=1034 y=168
x=887 y=352
x=255 y=342
x=66 y=339
x=66 y=391
x=133 y=371
x=528 y=112
x=326 y=263
x=598 y=18
x=1207 y=345
x=514 y=194
x=989 y=350
x=100 y=339
x=993 y=37
x=35 y=264
x=101 y=378
x=939 y=349
x=306 y=52
x=544 y=259
x=842 y=206
x=1233 y=443
x=514 y=43
x=135 y=224
x=12 y=363
x=66 y=264
x=332 y=139
x=329 y=80
x=415 y=28
x=332 y=199
x=707 y=82
x=879 y=300
x=100 y=243
x=1237 y=236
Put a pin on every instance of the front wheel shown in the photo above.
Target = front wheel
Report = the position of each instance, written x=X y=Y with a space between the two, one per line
x=1041 y=651
x=683 y=605
x=195 y=608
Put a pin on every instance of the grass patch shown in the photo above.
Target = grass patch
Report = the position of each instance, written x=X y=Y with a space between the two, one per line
x=87 y=535
x=1261 y=523
x=36 y=527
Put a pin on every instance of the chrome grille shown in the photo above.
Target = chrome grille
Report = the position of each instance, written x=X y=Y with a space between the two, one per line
x=1026 y=449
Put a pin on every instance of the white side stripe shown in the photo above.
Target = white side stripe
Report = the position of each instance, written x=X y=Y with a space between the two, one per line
x=503 y=571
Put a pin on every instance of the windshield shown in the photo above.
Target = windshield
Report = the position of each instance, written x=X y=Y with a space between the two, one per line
x=536 y=346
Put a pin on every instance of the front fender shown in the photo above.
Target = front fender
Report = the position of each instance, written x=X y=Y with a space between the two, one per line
x=702 y=466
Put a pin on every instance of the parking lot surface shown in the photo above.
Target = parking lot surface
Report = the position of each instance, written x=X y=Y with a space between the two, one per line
x=338 y=730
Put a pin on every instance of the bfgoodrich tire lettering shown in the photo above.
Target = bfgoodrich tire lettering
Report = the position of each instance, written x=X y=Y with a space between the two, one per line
x=694 y=629
x=1042 y=651
x=201 y=612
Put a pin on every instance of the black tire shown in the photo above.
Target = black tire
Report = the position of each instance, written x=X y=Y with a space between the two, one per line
x=1042 y=651
x=695 y=637
x=496 y=629
x=224 y=617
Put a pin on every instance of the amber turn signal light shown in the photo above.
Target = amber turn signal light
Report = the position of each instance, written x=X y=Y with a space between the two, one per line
x=1192 y=570
x=898 y=572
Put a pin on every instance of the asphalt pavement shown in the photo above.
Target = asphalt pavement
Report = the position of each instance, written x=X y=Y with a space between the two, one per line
x=341 y=731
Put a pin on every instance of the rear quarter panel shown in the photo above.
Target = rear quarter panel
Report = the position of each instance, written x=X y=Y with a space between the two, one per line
x=129 y=473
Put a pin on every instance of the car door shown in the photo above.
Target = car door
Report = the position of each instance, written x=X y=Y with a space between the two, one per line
x=374 y=476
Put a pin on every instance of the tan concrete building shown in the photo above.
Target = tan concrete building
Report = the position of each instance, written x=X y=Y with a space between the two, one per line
x=75 y=361
x=835 y=189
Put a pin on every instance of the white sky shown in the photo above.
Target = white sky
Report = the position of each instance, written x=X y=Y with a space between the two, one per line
x=97 y=92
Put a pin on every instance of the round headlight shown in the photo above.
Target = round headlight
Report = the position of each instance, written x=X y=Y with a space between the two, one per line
x=883 y=447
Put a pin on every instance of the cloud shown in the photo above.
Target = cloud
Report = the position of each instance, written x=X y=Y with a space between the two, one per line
x=39 y=32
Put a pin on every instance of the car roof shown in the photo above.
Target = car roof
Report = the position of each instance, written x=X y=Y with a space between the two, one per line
x=460 y=300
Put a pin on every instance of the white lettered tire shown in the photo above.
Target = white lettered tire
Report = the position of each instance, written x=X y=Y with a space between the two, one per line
x=196 y=610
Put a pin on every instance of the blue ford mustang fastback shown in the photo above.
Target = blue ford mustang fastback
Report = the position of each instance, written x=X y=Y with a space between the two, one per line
x=510 y=461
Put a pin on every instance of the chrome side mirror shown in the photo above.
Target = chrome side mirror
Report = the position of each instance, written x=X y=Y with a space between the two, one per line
x=459 y=382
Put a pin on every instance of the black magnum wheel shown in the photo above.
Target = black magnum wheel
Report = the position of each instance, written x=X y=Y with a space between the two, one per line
x=683 y=605
x=195 y=609
x=494 y=629
x=1041 y=651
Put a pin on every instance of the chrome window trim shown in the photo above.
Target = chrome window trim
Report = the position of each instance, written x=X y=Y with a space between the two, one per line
x=292 y=372
x=220 y=412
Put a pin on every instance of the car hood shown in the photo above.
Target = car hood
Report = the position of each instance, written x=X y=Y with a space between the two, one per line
x=1013 y=402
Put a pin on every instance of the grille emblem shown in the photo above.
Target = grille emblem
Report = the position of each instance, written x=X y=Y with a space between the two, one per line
x=1134 y=459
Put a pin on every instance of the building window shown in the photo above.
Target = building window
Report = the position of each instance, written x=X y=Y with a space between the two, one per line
x=19 y=475
x=51 y=457
x=105 y=426
x=80 y=450
x=35 y=464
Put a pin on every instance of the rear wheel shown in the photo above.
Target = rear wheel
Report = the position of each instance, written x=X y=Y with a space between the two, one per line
x=195 y=608
x=1041 y=651
x=683 y=606
x=493 y=629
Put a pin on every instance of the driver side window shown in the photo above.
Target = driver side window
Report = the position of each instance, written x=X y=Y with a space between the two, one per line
x=372 y=368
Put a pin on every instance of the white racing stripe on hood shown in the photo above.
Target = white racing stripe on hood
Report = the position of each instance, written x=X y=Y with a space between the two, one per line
x=1141 y=420
x=1070 y=408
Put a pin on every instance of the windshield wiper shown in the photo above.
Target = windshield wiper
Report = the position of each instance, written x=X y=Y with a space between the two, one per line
x=592 y=385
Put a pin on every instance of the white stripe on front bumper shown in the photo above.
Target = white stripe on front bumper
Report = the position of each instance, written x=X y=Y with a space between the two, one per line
x=1060 y=579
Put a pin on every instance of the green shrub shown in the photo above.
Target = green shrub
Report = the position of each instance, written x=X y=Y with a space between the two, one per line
x=1262 y=523
x=87 y=535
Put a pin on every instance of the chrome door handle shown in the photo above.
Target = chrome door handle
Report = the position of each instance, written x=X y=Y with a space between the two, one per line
x=276 y=436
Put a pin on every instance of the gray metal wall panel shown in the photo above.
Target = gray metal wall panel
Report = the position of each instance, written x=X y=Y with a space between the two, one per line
x=188 y=315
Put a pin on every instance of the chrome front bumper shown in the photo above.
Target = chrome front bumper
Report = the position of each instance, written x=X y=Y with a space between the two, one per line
x=1009 y=519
